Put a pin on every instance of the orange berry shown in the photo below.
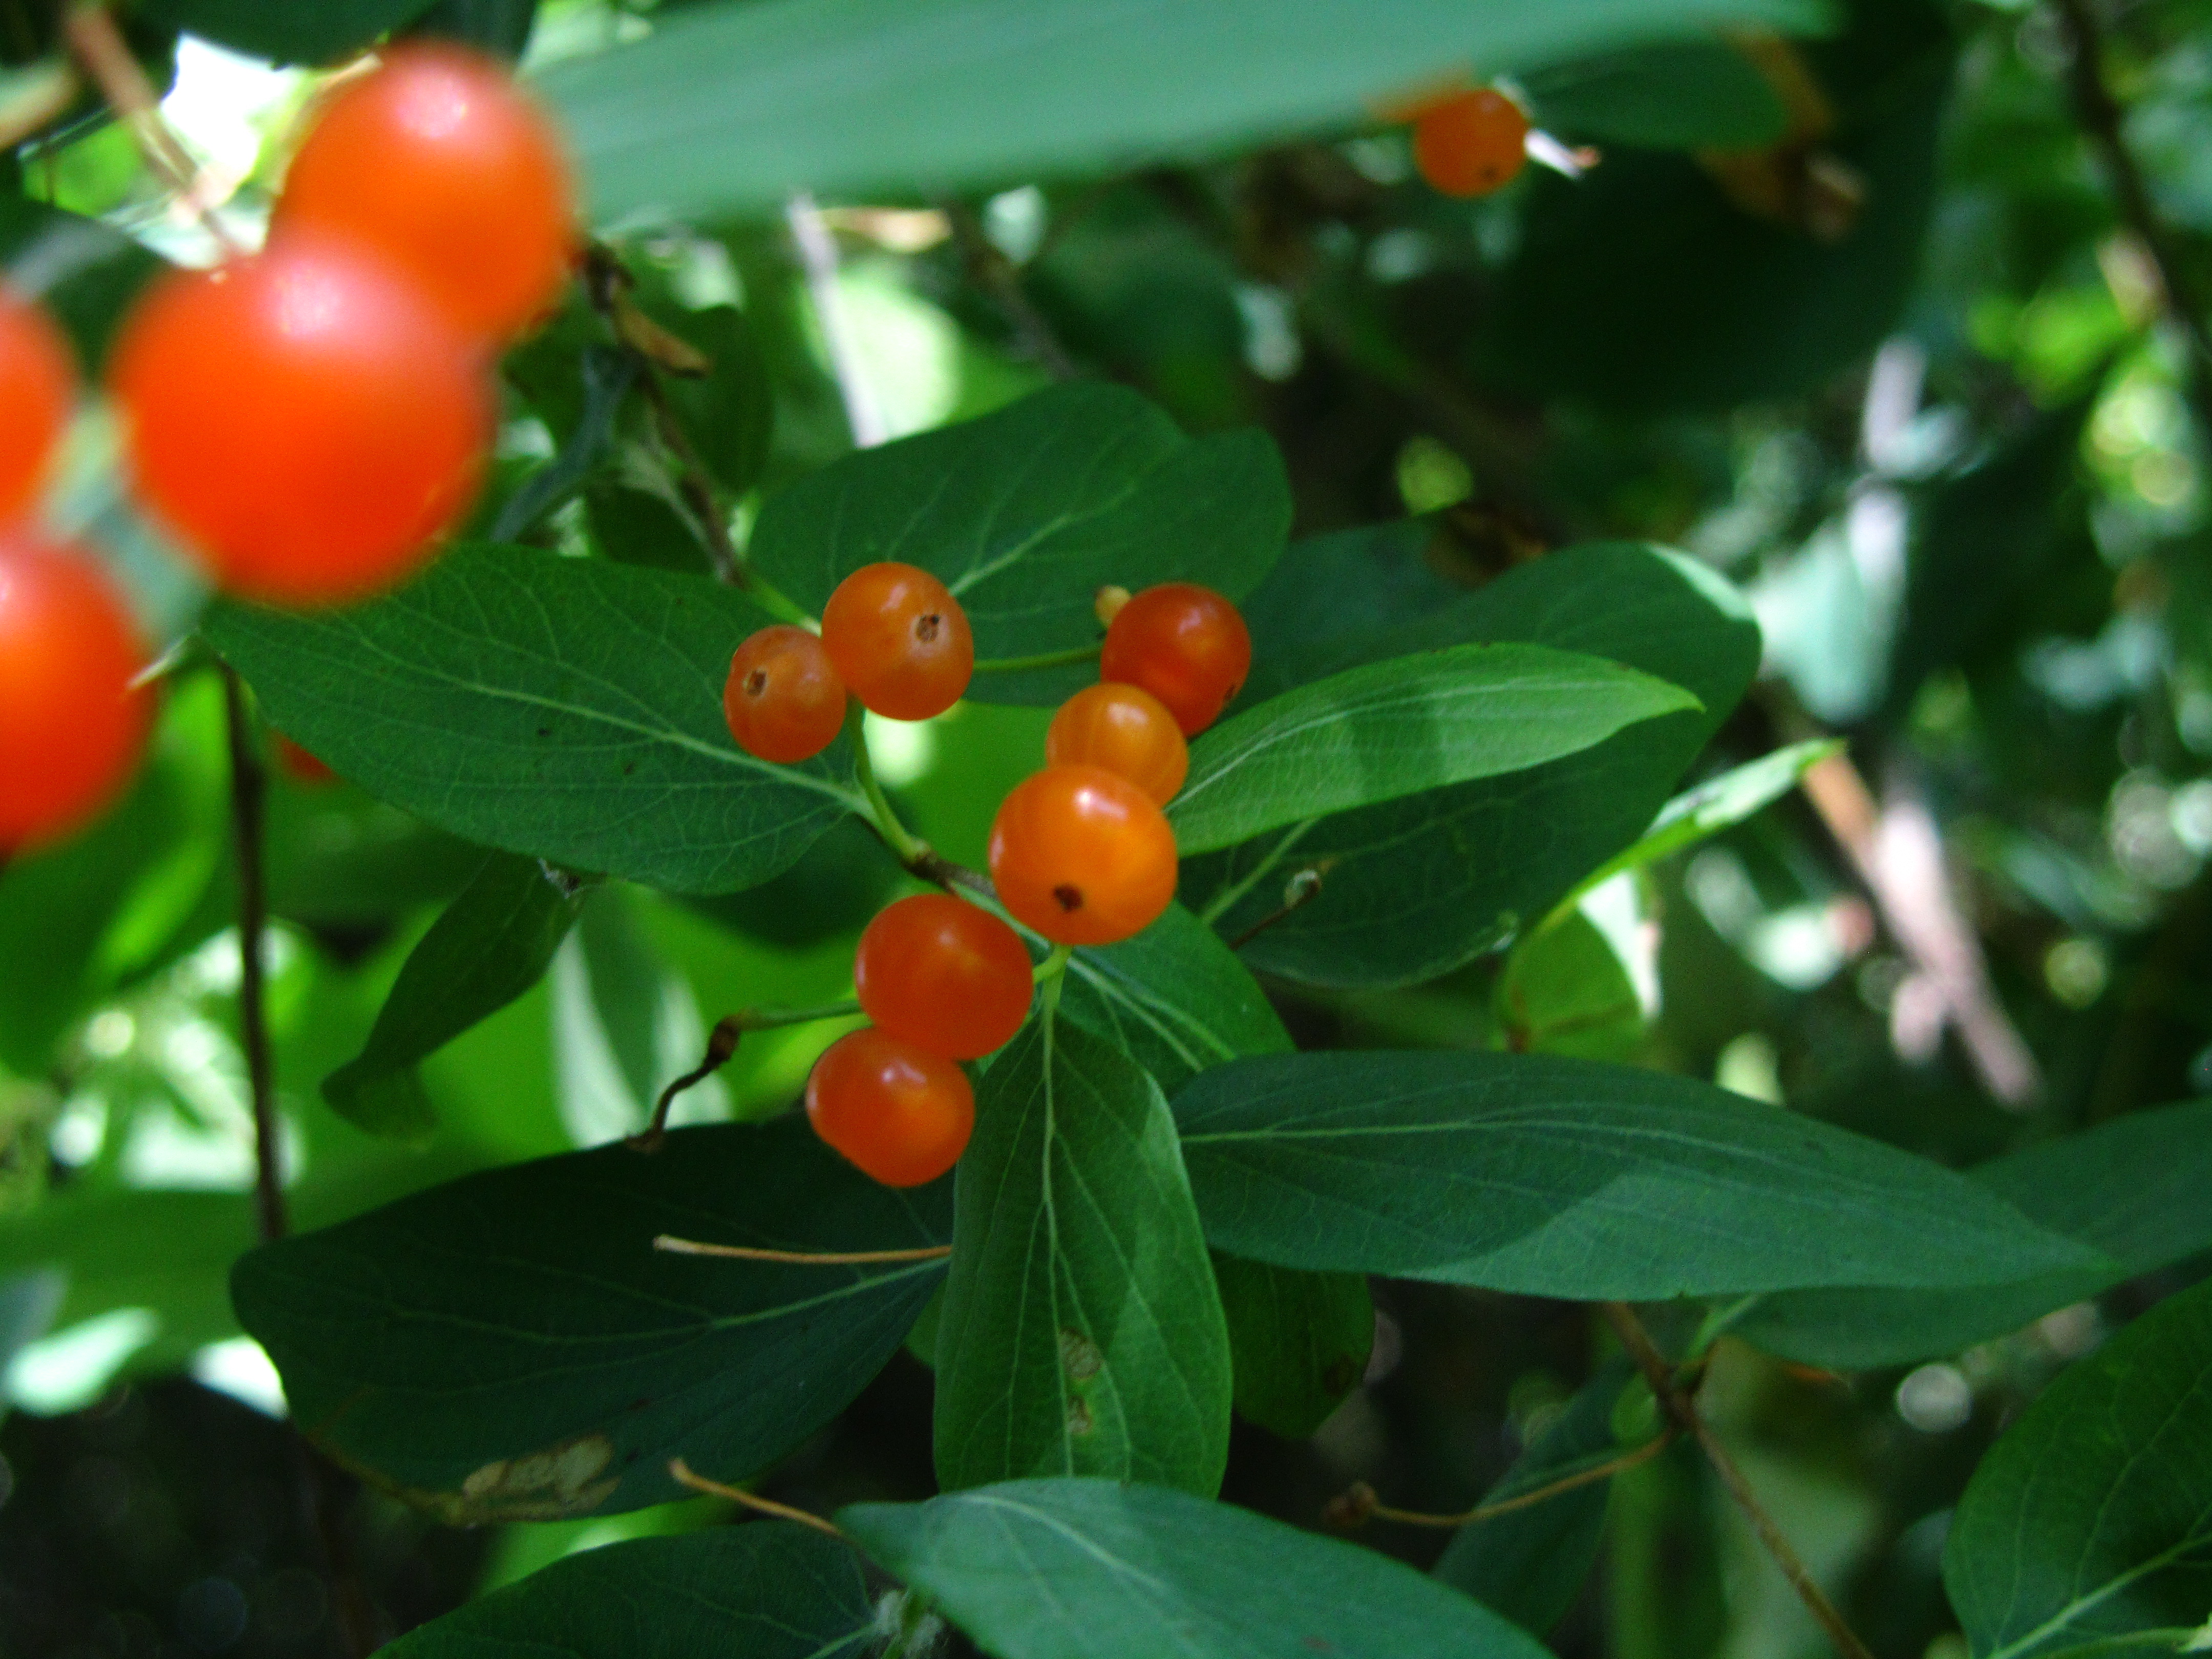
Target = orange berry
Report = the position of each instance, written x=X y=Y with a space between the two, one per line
x=439 y=161
x=783 y=701
x=1125 y=730
x=1471 y=143
x=898 y=1113
x=302 y=420
x=300 y=764
x=1186 y=645
x=899 y=640
x=38 y=383
x=71 y=725
x=935 y=971
x=1082 y=856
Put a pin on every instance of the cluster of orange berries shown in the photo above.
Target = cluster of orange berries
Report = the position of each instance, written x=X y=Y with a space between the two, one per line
x=306 y=421
x=1080 y=852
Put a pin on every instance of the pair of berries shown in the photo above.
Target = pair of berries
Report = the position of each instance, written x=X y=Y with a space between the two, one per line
x=1469 y=142
x=1080 y=852
x=892 y=636
x=310 y=419
x=944 y=980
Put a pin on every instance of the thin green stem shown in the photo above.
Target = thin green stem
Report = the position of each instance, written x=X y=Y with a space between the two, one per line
x=1227 y=899
x=1054 y=965
x=1067 y=659
x=909 y=850
x=770 y=1019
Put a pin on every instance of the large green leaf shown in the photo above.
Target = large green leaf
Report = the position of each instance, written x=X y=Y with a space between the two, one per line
x=510 y=1347
x=1026 y=514
x=2132 y=1189
x=1174 y=997
x=1681 y=94
x=285 y=30
x=570 y=709
x=1082 y=1334
x=1414 y=888
x=735 y=106
x=1551 y=1177
x=773 y=1590
x=1404 y=726
x=492 y=944
x=1530 y=1564
x=1299 y=1341
x=1092 y=1570
x=2091 y=1521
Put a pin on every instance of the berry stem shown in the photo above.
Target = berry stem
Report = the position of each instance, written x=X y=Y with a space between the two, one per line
x=1067 y=658
x=721 y=1043
x=1055 y=965
x=908 y=849
x=249 y=797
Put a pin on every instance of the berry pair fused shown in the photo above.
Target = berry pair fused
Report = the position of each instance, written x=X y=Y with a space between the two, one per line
x=892 y=636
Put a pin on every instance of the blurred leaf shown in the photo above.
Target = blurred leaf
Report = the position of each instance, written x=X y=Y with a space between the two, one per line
x=1530 y=1564
x=492 y=944
x=1081 y=1330
x=1564 y=991
x=624 y=1023
x=283 y=30
x=86 y=273
x=772 y=1590
x=1681 y=94
x=1547 y=1176
x=563 y=708
x=733 y=106
x=2088 y=1524
x=1402 y=727
x=337 y=857
x=496 y=26
x=608 y=374
x=1299 y=1341
x=1106 y=489
x=1094 y=1570
x=1414 y=888
x=510 y=1347
x=1173 y=998
x=2132 y=1189
x=729 y=412
x=636 y=526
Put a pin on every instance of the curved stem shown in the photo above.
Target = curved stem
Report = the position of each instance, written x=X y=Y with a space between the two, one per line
x=681 y=1472
x=721 y=1043
x=1054 y=965
x=1067 y=658
x=671 y=1245
x=908 y=849
x=1360 y=1503
x=249 y=798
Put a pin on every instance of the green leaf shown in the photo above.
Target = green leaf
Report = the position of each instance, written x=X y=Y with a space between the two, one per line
x=1414 y=888
x=492 y=944
x=729 y=412
x=1530 y=1564
x=2132 y=1189
x=1174 y=998
x=734 y=106
x=1081 y=1333
x=1564 y=991
x=288 y=33
x=1299 y=1341
x=568 y=709
x=510 y=1347
x=1401 y=727
x=609 y=373
x=1548 y=1177
x=1024 y=514
x=1683 y=95
x=2091 y=1520
x=1093 y=1570
x=771 y=1590
x=500 y=26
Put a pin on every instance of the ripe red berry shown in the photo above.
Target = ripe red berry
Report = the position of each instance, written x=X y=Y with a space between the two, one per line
x=935 y=971
x=1184 y=643
x=38 y=381
x=898 y=1113
x=783 y=701
x=442 y=162
x=899 y=640
x=302 y=420
x=1082 y=856
x=1470 y=144
x=71 y=725
x=1125 y=730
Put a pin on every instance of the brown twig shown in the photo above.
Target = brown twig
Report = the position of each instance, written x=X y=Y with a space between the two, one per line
x=721 y=1043
x=1359 y=1504
x=99 y=46
x=684 y=1476
x=1301 y=890
x=249 y=797
x=1679 y=1407
x=675 y=1246
x=2101 y=120
x=989 y=268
